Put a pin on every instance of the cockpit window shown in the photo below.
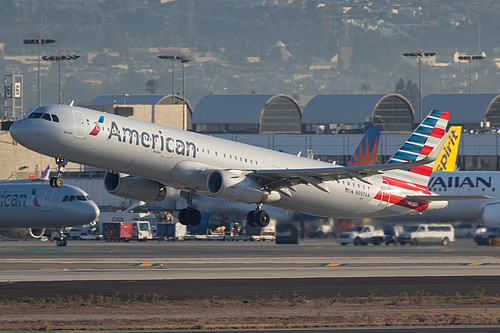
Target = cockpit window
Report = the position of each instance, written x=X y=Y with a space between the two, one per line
x=65 y=198
x=71 y=198
x=55 y=118
x=35 y=115
x=80 y=198
x=46 y=116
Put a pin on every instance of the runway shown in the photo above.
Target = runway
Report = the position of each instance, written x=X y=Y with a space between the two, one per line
x=194 y=269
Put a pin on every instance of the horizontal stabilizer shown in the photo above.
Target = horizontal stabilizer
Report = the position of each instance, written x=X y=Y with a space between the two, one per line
x=429 y=198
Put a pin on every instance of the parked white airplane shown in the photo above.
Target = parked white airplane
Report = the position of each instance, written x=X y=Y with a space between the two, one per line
x=158 y=155
x=28 y=207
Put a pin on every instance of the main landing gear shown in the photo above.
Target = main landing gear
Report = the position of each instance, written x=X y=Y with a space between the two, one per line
x=189 y=215
x=58 y=181
x=258 y=217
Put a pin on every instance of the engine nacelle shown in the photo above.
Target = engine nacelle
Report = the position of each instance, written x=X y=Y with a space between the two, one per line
x=491 y=215
x=235 y=187
x=22 y=233
x=134 y=188
x=434 y=205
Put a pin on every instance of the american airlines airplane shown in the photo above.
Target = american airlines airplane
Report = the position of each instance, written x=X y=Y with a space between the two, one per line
x=154 y=156
x=27 y=208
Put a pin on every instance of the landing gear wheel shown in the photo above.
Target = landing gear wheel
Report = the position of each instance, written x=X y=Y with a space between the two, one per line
x=189 y=216
x=262 y=218
x=251 y=217
x=194 y=216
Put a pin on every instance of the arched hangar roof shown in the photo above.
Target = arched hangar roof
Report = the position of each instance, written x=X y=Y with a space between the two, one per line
x=466 y=108
x=272 y=113
x=146 y=99
x=391 y=112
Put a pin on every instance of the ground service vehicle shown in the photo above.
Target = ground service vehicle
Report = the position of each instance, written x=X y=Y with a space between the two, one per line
x=119 y=231
x=142 y=230
x=488 y=237
x=361 y=236
x=419 y=234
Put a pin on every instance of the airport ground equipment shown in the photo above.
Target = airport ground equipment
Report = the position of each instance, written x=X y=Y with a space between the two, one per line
x=362 y=235
x=420 y=234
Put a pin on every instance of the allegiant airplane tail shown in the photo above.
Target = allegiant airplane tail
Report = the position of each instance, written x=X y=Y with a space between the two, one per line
x=366 y=153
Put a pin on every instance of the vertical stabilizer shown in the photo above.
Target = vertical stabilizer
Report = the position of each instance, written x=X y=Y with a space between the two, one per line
x=366 y=153
x=420 y=143
x=448 y=156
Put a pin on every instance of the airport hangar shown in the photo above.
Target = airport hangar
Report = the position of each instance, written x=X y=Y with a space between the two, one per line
x=329 y=127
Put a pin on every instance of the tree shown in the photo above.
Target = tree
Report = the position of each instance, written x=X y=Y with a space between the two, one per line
x=365 y=87
x=400 y=87
x=152 y=86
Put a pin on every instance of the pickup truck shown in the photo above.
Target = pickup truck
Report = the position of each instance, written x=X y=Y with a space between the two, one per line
x=362 y=235
x=487 y=237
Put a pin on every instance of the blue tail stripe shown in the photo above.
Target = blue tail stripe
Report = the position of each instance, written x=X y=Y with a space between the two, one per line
x=405 y=156
x=411 y=147
x=424 y=130
x=436 y=113
x=417 y=139
x=430 y=122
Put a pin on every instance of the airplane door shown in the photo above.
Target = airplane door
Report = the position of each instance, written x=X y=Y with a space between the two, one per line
x=79 y=124
x=386 y=196
x=47 y=198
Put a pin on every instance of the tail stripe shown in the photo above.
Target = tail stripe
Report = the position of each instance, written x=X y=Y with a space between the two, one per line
x=423 y=170
x=437 y=132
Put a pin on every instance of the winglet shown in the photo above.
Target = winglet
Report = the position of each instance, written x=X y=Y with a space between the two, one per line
x=448 y=155
x=45 y=173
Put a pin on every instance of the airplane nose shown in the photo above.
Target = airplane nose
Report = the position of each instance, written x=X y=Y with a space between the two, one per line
x=18 y=130
x=88 y=213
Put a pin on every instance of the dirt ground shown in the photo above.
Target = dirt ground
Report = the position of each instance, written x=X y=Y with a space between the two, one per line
x=157 y=312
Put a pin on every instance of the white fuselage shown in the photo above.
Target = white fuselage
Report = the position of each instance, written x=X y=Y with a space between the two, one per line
x=183 y=159
x=38 y=205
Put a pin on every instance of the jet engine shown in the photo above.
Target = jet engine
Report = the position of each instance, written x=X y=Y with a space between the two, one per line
x=491 y=215
x=233 y=186
x=22 y=233
x=135 y=188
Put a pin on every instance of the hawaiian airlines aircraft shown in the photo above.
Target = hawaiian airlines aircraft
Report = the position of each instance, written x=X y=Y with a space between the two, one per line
x=156 y=156
x=27 y=208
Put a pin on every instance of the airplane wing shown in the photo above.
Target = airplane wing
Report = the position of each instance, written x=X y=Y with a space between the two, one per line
x=279 y=178
x=428 y=198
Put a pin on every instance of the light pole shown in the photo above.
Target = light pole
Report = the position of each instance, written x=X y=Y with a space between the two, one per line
x=60 y=58
x=184 y=61
x=419 y=55
x=171 y=57
x=39 y=41
x=469 y=58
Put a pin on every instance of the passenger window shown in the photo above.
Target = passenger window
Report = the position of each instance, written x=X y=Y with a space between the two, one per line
x=55 y=118
x=46 y=116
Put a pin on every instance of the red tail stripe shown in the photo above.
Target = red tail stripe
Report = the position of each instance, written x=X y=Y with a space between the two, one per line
x=437 y=132
x=426 y=150
x=406 y=185
x=445 y=115
x=422 y=170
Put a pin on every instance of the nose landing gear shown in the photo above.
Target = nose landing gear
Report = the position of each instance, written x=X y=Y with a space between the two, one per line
x=58 y=181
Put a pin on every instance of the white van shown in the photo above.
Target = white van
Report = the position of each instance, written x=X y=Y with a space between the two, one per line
x=418 y=234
